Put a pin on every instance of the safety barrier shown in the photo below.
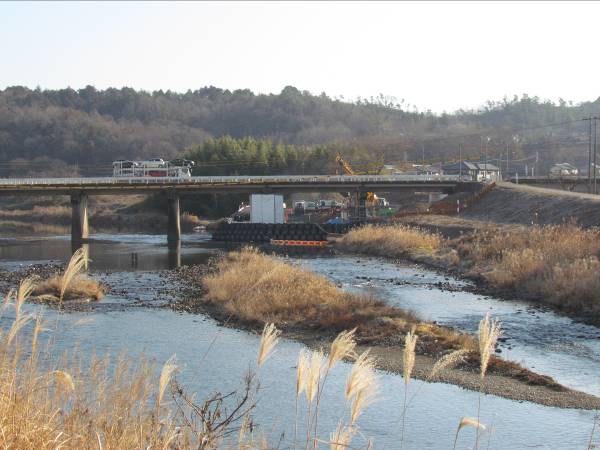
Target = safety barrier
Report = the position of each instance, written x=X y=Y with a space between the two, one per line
x=85 y=181
x=292 y=243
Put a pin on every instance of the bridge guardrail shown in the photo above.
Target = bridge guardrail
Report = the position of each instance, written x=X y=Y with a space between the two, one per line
x=224 y=179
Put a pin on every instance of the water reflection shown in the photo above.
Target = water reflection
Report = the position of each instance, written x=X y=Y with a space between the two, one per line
x=174 y=254
x=113 y=253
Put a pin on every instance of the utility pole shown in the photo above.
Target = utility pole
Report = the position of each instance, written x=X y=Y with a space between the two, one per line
x=459 y=161
x=590 y=158
x=422 y=153
x=480 y=148
x=487 y=140
x=595 y=148
x=507 y=172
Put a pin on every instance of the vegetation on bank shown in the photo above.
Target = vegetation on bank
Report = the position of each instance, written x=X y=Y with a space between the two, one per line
x=391 y=241
x=255 y=288
x=70 y=285
x=554 y=264
x=252 y=288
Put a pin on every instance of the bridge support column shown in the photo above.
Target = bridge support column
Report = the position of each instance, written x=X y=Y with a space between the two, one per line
x=174 y=226
x=361 y=211
x=79 y=217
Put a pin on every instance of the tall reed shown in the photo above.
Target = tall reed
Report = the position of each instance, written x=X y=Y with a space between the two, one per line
x=408 y=363
x=488 y=333
x=76 y=264
x=467 y=421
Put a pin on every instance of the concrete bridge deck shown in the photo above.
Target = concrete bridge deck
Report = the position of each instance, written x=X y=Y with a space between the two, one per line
x=79 y=189
x=231 y=184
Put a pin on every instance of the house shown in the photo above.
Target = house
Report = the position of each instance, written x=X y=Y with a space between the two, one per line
x=563 y=169
x=428 y=170
x=475 y=171
x=388 y=169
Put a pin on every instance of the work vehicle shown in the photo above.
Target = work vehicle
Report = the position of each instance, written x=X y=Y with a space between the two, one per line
x=156 y=167
x=372 y=200
x=310 y=207
x=299 y=207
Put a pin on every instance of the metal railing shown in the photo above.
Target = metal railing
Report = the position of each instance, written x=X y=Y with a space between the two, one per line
x=332 y=179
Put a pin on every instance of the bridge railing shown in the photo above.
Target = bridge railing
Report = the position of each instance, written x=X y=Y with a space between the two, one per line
x=226 y=180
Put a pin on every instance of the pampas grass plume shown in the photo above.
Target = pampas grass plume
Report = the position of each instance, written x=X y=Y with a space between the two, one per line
x=342 y=347
x=341 y=437
x=408 y=355
x=166 y=373
x=268 y=341
x=449 y=360
x=489 y=332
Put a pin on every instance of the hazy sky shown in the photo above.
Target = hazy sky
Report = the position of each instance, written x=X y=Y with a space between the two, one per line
x=441 y=56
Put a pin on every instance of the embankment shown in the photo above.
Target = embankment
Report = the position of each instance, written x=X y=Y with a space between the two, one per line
x=248 y=289
x=510 y=203
x=555 y=265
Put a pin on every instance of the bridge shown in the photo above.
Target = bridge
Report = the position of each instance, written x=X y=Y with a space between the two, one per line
x=80 y=188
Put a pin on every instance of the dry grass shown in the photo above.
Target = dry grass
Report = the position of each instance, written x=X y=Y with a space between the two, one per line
x=67 y=406
x=73 y=403
x=392 y=241
x=80 y=287
x=13 y=227
x=71 y=285
x=555 y=264
x=259 y=289
x=49 y=403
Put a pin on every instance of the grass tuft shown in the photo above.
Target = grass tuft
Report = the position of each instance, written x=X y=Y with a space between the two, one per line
x=392 y=241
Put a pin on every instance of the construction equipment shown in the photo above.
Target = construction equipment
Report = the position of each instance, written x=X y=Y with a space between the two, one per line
x=363 y=200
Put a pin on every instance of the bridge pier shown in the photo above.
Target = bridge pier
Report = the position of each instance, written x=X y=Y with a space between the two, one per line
x=79 y=218
x=173 y=223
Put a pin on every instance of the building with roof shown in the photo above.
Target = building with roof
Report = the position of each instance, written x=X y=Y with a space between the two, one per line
x=563 y=170
x=475 y=171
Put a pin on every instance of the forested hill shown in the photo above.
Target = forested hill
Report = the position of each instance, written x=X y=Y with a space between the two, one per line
x=68 y=131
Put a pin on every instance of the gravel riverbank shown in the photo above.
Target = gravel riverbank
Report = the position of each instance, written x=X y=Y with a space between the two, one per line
x=521 y=385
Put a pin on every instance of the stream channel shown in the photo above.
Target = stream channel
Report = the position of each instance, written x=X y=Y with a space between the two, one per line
x=214 y=358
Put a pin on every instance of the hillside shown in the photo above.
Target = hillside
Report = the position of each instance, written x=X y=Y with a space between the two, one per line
x=64 y=132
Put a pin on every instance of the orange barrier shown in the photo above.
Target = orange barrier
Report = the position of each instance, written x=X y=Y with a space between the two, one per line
x=299 y=243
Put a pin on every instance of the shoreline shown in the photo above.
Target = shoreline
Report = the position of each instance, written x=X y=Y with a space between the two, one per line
x=389 y=358
x=389 y=355
x=452 y=228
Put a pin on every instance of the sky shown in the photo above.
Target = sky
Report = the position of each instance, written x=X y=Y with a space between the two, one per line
x=440 y=56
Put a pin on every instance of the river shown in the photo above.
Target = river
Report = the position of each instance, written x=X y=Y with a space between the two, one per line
x=127 y=320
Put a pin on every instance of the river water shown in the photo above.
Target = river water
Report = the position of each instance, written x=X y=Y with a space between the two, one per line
x=215 y=358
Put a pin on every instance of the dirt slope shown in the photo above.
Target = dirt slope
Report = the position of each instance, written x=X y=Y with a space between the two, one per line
x=511 y=203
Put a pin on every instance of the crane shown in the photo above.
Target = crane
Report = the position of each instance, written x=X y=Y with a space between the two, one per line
x=370 y=200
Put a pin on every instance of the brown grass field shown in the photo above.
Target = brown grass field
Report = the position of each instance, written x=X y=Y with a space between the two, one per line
x=257 y=288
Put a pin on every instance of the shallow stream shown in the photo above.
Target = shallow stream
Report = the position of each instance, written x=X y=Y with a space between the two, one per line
x=128 y=321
